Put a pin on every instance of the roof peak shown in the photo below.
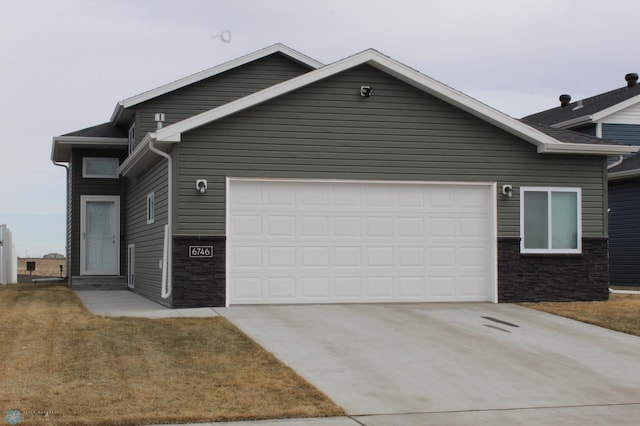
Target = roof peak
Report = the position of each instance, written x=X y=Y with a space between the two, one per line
x=305 y=60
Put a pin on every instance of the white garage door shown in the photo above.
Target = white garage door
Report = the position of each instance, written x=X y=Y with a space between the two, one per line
x=350 y=242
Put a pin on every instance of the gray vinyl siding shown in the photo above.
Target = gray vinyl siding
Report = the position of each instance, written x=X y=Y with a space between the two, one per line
x=327 y=131
x=624 y=133
x=92 y=186
x=624 y=232
x=148 y=238
x=215 y=91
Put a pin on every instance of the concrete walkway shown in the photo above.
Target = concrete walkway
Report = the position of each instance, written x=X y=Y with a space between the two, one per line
x=435 y=364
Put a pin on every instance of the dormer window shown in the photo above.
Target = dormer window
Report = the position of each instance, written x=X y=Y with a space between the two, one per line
x=132 y=138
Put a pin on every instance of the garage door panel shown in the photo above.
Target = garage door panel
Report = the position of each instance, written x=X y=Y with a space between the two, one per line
x=331 y=242
x=280 y=226
x=379 y=287
x=347 y=226
x=412 y=287
x=283 y=288
x=348 y=257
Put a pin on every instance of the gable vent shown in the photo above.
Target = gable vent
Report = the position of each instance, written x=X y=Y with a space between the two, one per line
x=631 y=79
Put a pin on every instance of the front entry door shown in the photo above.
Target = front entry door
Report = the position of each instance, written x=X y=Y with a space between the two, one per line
x=100 y=235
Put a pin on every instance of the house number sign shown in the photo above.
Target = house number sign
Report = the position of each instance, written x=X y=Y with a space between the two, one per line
x=200 y=251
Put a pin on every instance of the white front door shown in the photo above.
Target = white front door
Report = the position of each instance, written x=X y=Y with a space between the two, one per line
x=100 y=235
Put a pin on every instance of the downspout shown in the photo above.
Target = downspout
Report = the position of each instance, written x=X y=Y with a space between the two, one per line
x=166 y=253
x=616 y=163
x=66 y=230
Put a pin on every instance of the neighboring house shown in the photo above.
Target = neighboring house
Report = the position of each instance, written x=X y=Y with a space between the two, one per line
x=614 y=115
x=274 y=179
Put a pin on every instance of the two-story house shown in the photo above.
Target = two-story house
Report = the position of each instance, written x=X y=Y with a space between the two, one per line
x=276 y=179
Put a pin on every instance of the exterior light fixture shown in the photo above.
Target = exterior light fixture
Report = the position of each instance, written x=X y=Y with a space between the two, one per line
x=201 y=185
x=507 y=191
x=366 y=91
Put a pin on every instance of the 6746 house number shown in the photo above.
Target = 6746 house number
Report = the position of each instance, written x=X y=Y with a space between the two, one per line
x=200 y=251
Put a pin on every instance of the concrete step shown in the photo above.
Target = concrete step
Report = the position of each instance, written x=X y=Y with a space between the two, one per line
x=99 y=282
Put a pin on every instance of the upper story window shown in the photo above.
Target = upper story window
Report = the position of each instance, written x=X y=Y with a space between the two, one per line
x=100 y=167
x=550 y=220
x=132 y=138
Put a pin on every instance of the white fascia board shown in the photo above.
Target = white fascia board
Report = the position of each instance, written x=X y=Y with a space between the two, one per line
x=141 y=150
x=69 y=142
x=276 y=48
x=595 y=149
x=624 y=175
x=615 y=108
x=173 y=132
x=372 y=57
x=463 y=101
x=585 y=119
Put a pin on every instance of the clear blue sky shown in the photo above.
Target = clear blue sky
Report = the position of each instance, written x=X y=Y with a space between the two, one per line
x=64 y=64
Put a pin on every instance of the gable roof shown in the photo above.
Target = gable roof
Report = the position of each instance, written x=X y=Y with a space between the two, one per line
x=543 y=140
x=120 y=116
x=103 y=136
x=588 y=110
x=570 y=136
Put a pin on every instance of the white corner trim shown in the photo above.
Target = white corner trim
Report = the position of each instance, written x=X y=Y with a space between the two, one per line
x=150 y=94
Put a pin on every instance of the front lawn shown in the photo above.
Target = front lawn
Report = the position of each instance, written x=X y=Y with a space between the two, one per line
x=621 y=312
x=60 y=364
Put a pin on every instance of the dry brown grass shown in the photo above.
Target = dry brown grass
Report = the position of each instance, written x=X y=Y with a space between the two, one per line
x=621 y=312
x=85 y=369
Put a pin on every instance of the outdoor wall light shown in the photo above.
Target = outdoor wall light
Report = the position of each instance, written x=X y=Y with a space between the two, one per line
x=201 y=185
x=366 y=91
x=507 y=191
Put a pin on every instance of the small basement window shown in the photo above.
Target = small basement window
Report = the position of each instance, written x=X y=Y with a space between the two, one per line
x=550 y=220
x=100 y=167
x=151 y=208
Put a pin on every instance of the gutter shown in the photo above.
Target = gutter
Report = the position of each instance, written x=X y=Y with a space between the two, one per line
x=613 y=291
x=167 y=256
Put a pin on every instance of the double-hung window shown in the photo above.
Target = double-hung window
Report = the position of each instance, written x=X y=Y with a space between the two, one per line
x=550 y=220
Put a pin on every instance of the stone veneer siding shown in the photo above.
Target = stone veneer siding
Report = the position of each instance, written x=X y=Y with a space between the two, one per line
x=553 y=277
x=198 y=282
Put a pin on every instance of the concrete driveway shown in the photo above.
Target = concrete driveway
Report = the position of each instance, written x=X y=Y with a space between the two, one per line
x=472 y=363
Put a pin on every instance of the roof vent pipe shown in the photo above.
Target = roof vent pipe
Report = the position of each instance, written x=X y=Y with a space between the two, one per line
x=565 y=100
x=631 y=79
x=159 y=119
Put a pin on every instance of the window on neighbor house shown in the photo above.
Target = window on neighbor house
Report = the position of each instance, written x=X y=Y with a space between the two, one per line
x=100 y=167
x=550 y=220
x=151 y=208
x=132 y=138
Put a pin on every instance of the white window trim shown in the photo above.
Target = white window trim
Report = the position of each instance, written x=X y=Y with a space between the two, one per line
x=131 y=262
x=151 y=208
x=95 y=176
x=549 y=189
